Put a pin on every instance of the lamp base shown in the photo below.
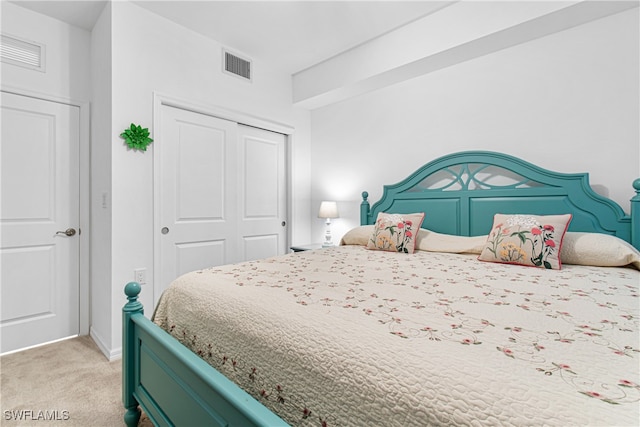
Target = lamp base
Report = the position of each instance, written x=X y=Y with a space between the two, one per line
x=327 y=235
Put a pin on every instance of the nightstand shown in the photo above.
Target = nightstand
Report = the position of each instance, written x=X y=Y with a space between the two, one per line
x=309 y=247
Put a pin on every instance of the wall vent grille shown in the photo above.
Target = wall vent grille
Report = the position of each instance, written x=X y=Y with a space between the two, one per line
x=22 y=52
x=233 y=64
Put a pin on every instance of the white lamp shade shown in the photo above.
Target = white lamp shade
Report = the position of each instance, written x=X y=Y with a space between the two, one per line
x=328 y=210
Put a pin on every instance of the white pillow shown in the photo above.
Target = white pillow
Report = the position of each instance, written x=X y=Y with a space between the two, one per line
x=602 y=250
x=357 y=236
x=437 y=242
x=427 y=240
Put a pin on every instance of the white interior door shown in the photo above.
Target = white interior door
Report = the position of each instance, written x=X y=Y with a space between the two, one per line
x=262 y=199
x=40 y=202
x=197 y=193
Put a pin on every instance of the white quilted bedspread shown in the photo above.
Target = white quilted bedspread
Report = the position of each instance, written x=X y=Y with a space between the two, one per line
x=346 y=336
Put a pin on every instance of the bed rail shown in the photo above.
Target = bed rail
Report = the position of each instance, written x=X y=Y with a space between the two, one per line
x=172 y=384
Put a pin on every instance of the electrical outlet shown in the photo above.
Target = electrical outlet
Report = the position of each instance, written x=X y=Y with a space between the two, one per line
x=140 y=275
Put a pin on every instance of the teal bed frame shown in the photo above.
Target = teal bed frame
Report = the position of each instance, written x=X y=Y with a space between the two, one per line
x=459 y=192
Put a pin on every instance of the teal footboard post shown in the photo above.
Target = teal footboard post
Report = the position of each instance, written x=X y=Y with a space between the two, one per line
x=635 y=215
x=132 y=415
x=364 y=209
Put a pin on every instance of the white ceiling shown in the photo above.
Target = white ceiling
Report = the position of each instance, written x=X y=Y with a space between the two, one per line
x=81 y=13
x=293 y=35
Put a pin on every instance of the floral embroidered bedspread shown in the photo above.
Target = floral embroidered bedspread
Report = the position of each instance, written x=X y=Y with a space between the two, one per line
x=347 y=336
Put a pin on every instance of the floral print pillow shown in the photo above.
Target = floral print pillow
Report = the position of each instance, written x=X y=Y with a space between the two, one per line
x=531 y=240
x=396 y=232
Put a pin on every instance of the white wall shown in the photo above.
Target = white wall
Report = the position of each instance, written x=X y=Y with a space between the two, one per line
x=568 y=102
x=101 y=165
x=151 y=54
x=67 y=74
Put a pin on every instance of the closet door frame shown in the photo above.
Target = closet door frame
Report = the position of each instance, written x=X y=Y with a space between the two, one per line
x=160 y=100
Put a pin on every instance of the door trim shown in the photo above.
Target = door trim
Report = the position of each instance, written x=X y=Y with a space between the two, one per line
x=160 y=100
x=85 y=195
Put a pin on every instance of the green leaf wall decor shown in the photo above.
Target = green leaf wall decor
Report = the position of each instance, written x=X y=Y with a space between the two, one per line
x=136 y=137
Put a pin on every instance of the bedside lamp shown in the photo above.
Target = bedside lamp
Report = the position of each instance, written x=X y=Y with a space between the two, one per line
x=328 y=210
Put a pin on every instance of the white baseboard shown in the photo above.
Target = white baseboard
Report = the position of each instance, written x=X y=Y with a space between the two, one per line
x=110 y=354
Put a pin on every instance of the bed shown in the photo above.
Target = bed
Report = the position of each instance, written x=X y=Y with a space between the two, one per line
x=428 y=330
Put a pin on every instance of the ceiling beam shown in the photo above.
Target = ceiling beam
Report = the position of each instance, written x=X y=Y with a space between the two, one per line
x=458 y=33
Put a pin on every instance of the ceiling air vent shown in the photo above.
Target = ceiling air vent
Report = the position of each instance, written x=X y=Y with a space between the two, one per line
x=22 y=52
x=233 y=64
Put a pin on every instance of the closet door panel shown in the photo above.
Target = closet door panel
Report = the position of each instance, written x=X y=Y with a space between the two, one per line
x=197 y=192
x=262 y=197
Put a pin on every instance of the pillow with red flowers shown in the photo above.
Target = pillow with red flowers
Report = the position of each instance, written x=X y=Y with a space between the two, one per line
x=395 y=232
x=532 y=240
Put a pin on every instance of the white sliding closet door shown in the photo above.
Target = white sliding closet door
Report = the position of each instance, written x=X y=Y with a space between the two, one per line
x=262 y=197
x=222 y=193
x=198 y=203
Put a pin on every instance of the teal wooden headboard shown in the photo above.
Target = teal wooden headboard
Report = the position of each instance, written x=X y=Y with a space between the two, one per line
x=461 y=192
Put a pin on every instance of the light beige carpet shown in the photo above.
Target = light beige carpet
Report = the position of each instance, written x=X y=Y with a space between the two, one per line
x=68 y=383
